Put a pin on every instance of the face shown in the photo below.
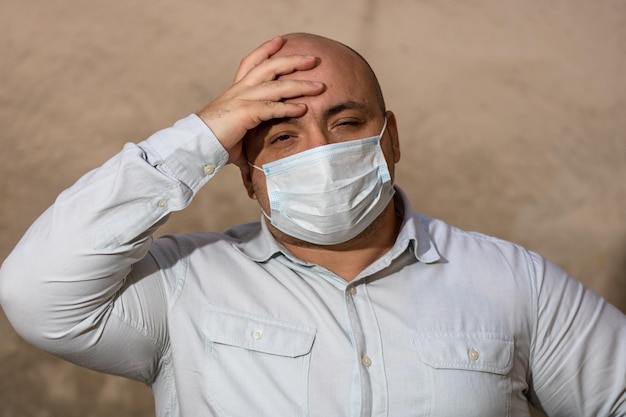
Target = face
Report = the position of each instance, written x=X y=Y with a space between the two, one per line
x=348 y=109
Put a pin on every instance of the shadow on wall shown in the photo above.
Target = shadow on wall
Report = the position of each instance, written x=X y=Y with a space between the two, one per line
x=615 y=292
x=47 y=386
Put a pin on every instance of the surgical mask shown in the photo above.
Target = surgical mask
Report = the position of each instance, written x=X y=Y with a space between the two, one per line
x=329 y=194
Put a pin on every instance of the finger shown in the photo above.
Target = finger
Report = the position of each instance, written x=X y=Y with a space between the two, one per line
x=230 y=126
x=260 y=54
x=270 y=69
x=279 y=90
x=262 y=111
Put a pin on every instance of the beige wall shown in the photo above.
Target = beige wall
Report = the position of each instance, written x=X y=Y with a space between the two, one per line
x=511 y=116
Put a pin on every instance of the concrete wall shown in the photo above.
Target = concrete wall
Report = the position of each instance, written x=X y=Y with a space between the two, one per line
x=511 y=117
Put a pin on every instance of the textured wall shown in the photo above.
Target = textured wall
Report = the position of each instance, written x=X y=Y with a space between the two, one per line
x=511 y=117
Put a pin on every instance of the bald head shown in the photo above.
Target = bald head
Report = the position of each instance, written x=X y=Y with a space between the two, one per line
x=334 y=54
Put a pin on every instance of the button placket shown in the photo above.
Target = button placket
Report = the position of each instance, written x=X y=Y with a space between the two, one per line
x=366 y=336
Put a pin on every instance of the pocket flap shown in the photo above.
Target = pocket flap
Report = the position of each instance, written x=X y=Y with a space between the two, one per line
x=473 y=351
x=261 y=334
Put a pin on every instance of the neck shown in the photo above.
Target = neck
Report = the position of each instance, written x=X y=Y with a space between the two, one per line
x=348 y=259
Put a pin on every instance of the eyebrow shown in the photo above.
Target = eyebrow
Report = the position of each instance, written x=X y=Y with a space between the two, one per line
x=332 y=111
x=348 y=105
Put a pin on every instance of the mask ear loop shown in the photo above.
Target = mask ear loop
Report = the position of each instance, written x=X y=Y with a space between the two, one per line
x=384 y=127
x=261 y=169
x=257 y=167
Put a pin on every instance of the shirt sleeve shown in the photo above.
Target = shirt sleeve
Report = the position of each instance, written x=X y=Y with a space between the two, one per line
x=578 y=364
x=67 y=287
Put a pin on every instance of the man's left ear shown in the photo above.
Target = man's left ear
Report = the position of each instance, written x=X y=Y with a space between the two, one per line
x=392 y=130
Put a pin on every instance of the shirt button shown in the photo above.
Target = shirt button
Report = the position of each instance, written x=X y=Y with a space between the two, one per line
x=366 y=361
x=473 y=354
x=162 y=204
x=257 y=334
x=208 y=169
x=352 y=290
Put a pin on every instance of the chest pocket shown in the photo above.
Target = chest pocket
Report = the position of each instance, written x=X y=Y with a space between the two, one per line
x=468 y=373
x=256 y=365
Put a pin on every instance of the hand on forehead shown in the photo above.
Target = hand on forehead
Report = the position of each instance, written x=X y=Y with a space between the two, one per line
x=348 y=79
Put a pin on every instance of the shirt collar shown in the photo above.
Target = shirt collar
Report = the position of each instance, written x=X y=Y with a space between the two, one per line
x=414 y=232
x=257 y=243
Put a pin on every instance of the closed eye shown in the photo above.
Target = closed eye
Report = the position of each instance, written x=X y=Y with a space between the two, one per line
x=348 y=122
x=347 y=126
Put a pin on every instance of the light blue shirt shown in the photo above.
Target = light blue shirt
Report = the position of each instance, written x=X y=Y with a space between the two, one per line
x=447 y=323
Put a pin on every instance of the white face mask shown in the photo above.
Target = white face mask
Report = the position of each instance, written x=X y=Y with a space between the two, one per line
x=329 y=194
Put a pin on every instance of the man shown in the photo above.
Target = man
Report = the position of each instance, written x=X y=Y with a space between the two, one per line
x=340 y=302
